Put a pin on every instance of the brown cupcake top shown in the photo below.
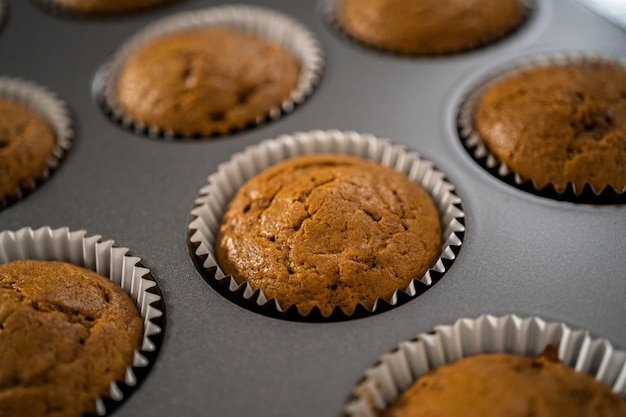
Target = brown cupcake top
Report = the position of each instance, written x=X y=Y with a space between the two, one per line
x=26 y=143
x=428 y=26
x=65 y=334
x=507 y=385
x=559 y=124
x=104 y=6
x=329 y=230
x=205 y=81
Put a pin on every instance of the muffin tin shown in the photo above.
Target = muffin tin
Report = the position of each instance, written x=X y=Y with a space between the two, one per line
x=522 y=254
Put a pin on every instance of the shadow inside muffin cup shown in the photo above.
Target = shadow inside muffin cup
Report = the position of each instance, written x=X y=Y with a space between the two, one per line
x=114 y=263
x=257 y=22
x=328 y=11
x=206 y=214
x=478 y=150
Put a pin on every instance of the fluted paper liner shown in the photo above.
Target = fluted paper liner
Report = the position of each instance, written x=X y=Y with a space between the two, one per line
x=112 y=262
x=478 y=150
x=256 y=21
x=328 y=10
x=397 y=370
x=213 y=198
x=54 y=111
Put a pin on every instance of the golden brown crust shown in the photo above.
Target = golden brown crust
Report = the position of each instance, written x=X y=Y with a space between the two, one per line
x=329 y=230
x=428 y=26
x=495 y=385
x=106 y=6
x=65 y=334
x=26 y=143
x=205 y=81
x=559 y=124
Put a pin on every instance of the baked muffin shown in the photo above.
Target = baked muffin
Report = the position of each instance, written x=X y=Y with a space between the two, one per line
x=103 y=6
x=205 y=81
x=66 y=334
x=26 y=142
x=428 y=27
x=501 y=384
x=328 y=230
x=558 y=124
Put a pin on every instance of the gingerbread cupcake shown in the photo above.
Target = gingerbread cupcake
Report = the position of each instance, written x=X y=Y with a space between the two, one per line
x=318 y=226
x=81 y=322
x=211 y=72
x=35 y=134
x=495 y=366
x=558 y=124
x=329 y=230
x=428 y=27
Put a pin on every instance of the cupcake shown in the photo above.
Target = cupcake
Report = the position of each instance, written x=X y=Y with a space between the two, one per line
x=35 y=133
x=211 y=72
x=58 y=321
x=328 y=231
x=558 y=124
x=495 y=366
x=80 y=323
x=323 y=225
x=101 y=7
x=502 y=384
x=428 y=27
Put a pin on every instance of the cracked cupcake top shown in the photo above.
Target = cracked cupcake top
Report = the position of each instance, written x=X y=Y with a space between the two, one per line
x=26 y=143
x=559 y=124
x=65 y=334
x=205 y=81
x=329 y=230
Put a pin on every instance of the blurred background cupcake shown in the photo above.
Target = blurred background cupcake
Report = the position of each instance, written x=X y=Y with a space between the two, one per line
x=35 y=134
x=212 y=72
x=432 y=27
x=557 y=123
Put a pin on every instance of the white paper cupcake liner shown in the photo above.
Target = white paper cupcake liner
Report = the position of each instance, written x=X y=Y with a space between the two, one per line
x=213 y=198
x=54 y=111
x=328 y=11
x=112 y=262
x=256 y=21
x=397 y=370
x=478 y=150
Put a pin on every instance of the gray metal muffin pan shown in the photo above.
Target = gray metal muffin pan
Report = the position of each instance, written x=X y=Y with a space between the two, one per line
x=521 y=254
